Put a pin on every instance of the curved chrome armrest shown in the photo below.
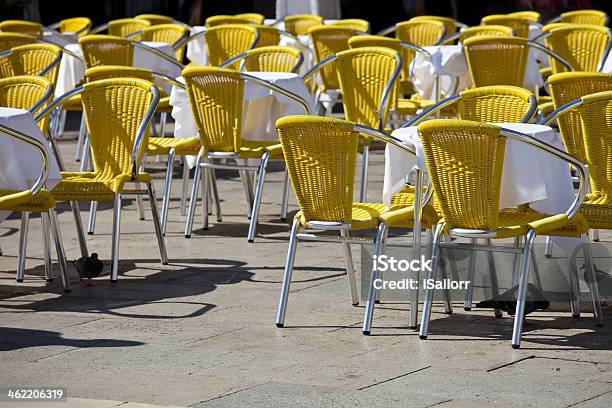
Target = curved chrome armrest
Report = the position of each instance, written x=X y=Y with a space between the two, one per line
x=99 y=28
x=177 y=44
x=56 y=102
x=234 y=59
x=442 y=36
x=278 y=89
x=53 y=26
x=417 y=50
x=451 y=38
x=62 y=36
x=387 y=30
x=550 y=53
x=160 y=54
x=43 y=100
x=255 y=41
x=583 y=172
x=189 y=38
x=52 y=65
x=429 y=111
x=293 y=37
x=554 y=20
x=134 y=34
x=40 y=147
x=605 y=55
x=560 y=111
x=140 y=136
x=306 y=75
x=168 y=79
x=461 y=25
x=384 y=100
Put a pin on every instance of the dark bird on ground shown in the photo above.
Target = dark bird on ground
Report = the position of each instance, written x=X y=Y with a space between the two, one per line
x=89 y=266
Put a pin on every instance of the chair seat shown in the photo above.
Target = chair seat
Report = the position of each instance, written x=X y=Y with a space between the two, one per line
x=597 y=210
x=401 y=211
x=414 y=105
x=74 y=103
x=164 y=105
x=160 y=146
x=364 y=216
x=24 y=201
x=252 y=149
x=89 y=186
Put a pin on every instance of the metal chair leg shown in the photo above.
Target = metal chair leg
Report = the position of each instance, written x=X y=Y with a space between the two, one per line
x=493 y=278
x=519 y=317
x=115 y=238
x=429 y=292
x=193 y=199
x=364 y=173
x=205 y=196
x=574 y=285
x=215 y=195
x=158 y=229
x=46 y=239
x=167 y=190
x=91 y=222
x=285 y=198
x=140 y=204
x=59 y=248
x=592 y=281
x=258 y=192
x=184 y=187
x=595 y=235
x=86 y=153
x=248 y=189
x=57 y=154
x=23 y=243
x=448 y=301
x=162 y=124
x=74 y=206
x=372 y=291
x=284 y=296
x=467 y=303
x=350 y=269
x=80 y=140
x=548 y=247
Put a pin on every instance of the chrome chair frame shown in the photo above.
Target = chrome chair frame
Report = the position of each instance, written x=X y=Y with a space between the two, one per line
x=295 y=69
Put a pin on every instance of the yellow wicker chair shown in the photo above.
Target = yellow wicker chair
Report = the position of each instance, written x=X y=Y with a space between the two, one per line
x=216 y=99
x=35 y=199
x=520 y=26
x=583 y=46
x=32 y=59
x=321 y=156
x=496 y=60
x=76 y=25
x=420 y=32
x=25 y=92
x=529 y=15
x=118 y=114
x=486 y=30
x=596 y=17
x=126 y=27
x=268 y=36
x=22 y=27
x=269 y=59
x=228 y=40
x=155 y=19
x=106 y=50
x=169 y=34
x=254 y=18
x=356 y=24
x=450 y=24
x=299 y=24
x=469 y=198
x=10 y=40
x=219 y=20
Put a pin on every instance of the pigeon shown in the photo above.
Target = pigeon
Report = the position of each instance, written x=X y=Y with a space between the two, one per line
x=89 y=266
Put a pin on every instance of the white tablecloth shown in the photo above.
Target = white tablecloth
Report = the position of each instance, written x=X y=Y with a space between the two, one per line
x=607 y=68
x=72 y=70
x=52 y=37
x=20 y=163
x=528 y=176
x=262 y=107
x=450 y=63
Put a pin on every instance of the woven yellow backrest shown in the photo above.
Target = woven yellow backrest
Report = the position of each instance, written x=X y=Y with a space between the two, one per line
x=215 y=97
x=583 y=46
x=381 y=41
x=520 y=26
x=155 y=19
x=114 y=110
x=31 y=59
x=80 y=25
x=569 y=86
x=465 y=161
x=106 y=50
x=227 y=41
x=584 y=17
x=487 y=30
x=496 y=60
x=254 y=18
x=449 y=23
x=268 y=36
x=420 y=33
x=498 y=103
x=11 y=40
x=529 y=15
x=363 y=74
x=23 y=27
x=356 y=24
x=23 y=92
x=272 y=59
x=320 y=154
x=117 y=71
x=167 y=33
x=219 y=20
x=299 y=24
x=327 y=41
x=126 y=26
x=596 y=118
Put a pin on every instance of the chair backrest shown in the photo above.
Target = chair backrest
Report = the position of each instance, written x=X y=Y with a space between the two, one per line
x=583 y=46
x=520 y=26
x=584 y=17
x=268 y=36
x=23 y=27
x=328 y=40
x=32 y=59
x=496 y=60
x=420 y=32
x=254 y=18
x=299 y=24
x=76 y=25
x=273 y=59
x=219 y=20
x=387 y=42
x=106 y=50
x=486 y=30
x=449 y=24
x=228 y=40
x=155 y=19
x=114 y=110
x=25 y=91
x=495 y=104
x=364 y=74
x=216 y=97
x=356 y=24
x=529 y=15
x=126 y=26
x=465 y=161
x=169 y=34
x=596 y=117
x=320 y=154
x=117 y=71
x=10 y=40
x=566 y=87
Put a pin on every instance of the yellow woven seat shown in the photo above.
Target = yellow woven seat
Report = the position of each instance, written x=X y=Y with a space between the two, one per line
x=401 y=210
x=416 y=104
x=89 y=186
x=251 y=149
x=597 y=209
x=363 y=216
x=74 y=103
x=25 y=201
x=160 y=146
x=515 y=222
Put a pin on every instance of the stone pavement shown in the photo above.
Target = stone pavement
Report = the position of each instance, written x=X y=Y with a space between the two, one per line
x=200 y=331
